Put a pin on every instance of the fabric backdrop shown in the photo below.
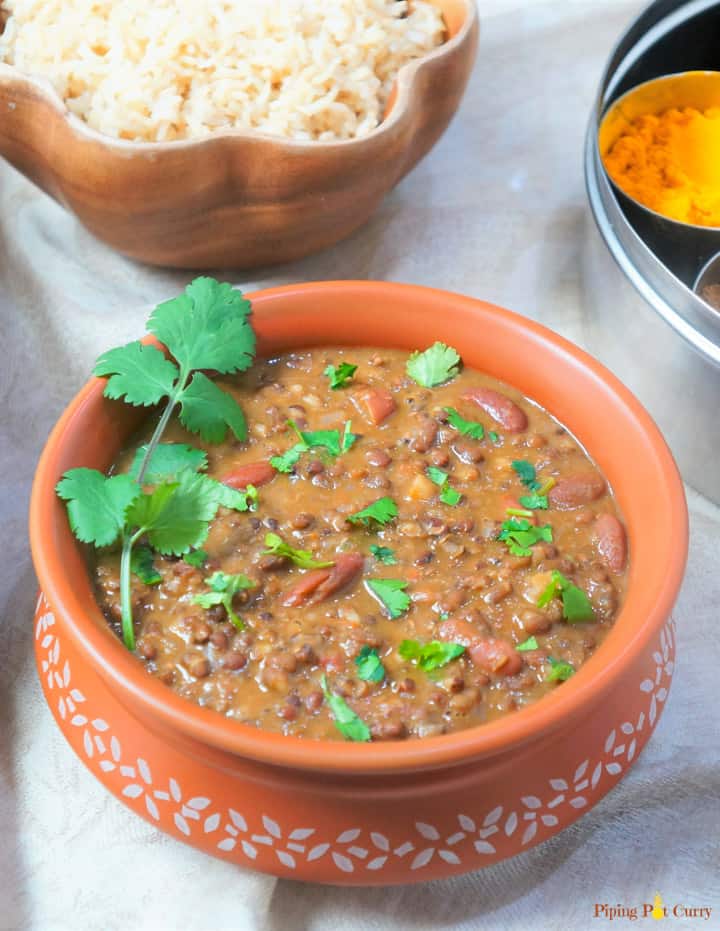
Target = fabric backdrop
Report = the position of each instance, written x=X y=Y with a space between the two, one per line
x=496 y=211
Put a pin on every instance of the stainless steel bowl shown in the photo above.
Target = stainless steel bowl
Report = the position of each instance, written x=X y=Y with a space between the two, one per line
x=645 y=322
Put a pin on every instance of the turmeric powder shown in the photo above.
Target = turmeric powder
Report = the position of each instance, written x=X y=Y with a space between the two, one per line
x=670 y=162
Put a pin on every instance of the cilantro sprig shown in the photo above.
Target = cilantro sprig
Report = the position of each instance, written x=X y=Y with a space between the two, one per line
x=380 y=512
x=576 y=604
x=143 y=566
x=369 y=665
x=432 y=655
x=223 y=590
x=276 y=546
x=521 y=535
x=340 y=375
x=347 y=722
x=205 y=328
x=470 y=428
x=434 y=366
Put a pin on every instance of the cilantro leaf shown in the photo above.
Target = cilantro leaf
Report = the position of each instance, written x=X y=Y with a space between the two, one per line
x=526 y=473
x=196 y=558
x=166 y=461
x=450 y=496
x=97 y=505
x=209 y=411
x=494 y=437
x=175 y=515
x=559 y=671
x=520 y=535
x=381 y=512
x=529 y=644
x=141 y=563
x=288 y=460
x=340 y=375
x=235 y=499
x=383 y=554
x=331 y=440
x=391 y=594
x=437 y=475
x=369 y=665
x=470 y=428
x=224 y=588
x=576 y=604
x=432 y=655
x=277 y=547
x=206 y=327
x=534 y=502
x=346 y=721
x=139 y=373
x=434 y=366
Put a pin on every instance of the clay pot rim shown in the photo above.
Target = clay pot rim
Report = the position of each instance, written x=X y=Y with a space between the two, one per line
x=657 y=559
x=401 y=95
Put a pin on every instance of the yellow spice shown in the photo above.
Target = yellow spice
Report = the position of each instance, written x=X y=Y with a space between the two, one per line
x=670 y=162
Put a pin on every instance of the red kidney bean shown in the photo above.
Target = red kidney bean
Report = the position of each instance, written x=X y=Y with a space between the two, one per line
x=423 y=434
x=502 y=410
x=251 y=473
x=610 y=542
x=573 y=491
x=320 y=584
x=375 y=404
x=495 y=656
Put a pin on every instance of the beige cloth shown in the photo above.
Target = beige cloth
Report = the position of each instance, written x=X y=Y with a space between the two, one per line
x=497 y=211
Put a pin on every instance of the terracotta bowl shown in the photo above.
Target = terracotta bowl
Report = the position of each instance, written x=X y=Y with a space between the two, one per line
x=238 y=199
x=330 y=811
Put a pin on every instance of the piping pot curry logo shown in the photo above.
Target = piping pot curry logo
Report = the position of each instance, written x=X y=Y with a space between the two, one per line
x=656 y=910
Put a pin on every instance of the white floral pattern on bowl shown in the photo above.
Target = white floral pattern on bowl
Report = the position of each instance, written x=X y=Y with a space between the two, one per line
x=467 y=842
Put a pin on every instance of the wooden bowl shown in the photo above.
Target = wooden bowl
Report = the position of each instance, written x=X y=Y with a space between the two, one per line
x=376 y=813
x=237 y=199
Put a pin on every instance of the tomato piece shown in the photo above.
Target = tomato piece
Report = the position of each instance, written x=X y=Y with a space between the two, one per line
x=375 y=404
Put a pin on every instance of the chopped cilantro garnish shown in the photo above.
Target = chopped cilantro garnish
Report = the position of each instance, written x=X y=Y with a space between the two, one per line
x=369 y=665
x=529 y=644
x=383 y=554
x=470 y=428
x=520 y=535
x=494 y=437
x=347 y=722
x=224 y=588
x=437 y=475
x=340 y=375
x=196 y=558
x=277 y=547
x=391 y=594
x=559 y=671
x=333 y=441
x=526 y=473
x=143 y=566
x=432 y=655
x=288 y=460
x=534 y=502
x=380 y=512
x=576 y=604
x=448 y=495
x=434 y=366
